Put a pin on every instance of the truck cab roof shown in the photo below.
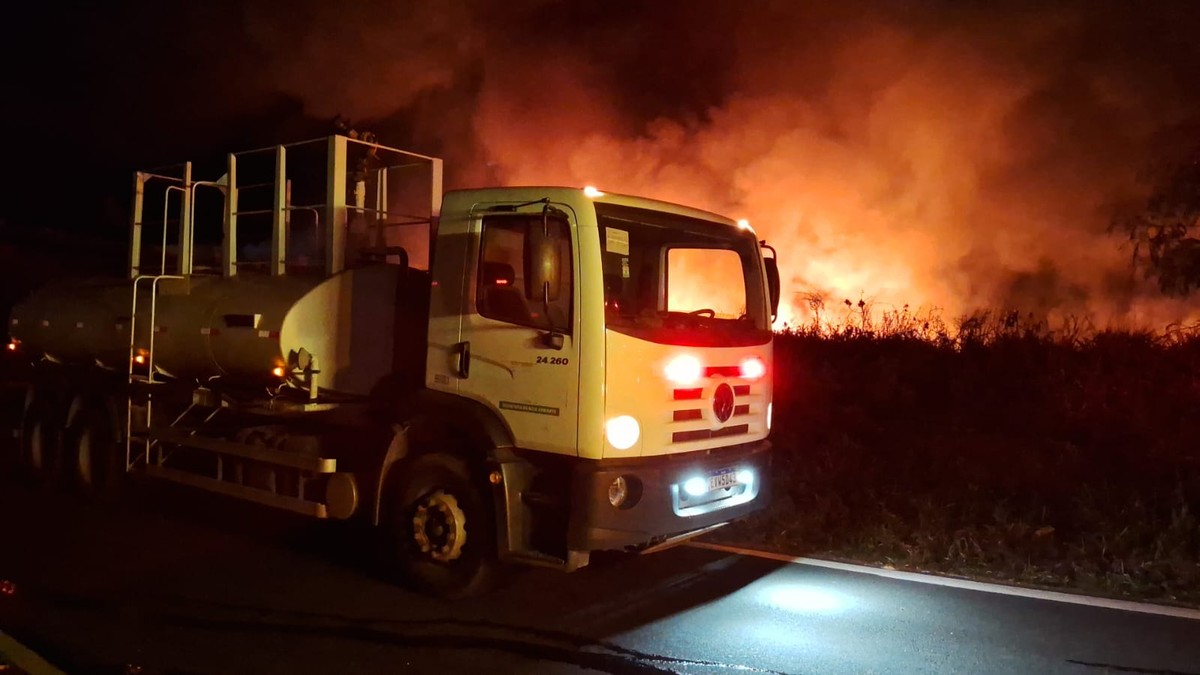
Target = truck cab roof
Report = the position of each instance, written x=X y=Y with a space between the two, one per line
x=506 y=195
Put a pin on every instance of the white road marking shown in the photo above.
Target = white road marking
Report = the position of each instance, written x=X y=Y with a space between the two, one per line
x=24 y=658
x=951 y=582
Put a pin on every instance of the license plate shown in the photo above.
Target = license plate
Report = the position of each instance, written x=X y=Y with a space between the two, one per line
x=725 y=478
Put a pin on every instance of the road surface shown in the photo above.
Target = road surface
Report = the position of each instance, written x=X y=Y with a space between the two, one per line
x=167 y=584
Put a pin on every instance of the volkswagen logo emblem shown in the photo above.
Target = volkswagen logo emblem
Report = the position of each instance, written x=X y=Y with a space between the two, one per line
x=723 y=402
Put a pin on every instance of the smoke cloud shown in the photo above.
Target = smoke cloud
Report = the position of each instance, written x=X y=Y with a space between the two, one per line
x=943 y=163
x=941 y=155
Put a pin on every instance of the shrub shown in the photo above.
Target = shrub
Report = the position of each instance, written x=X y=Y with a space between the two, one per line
x=1001 y=447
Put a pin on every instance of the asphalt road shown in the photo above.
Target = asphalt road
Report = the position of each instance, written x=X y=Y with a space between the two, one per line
x=168 y=583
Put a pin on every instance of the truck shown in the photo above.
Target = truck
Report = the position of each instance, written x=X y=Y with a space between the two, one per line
x=485 y=377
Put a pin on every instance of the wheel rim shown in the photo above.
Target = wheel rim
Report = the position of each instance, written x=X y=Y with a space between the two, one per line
x=439 y=526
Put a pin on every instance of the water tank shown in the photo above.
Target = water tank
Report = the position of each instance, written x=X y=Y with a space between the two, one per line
x=238 y=328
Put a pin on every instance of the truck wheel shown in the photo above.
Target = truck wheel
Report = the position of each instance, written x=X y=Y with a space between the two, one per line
x=98 y=462
x=41 y=443
x=10 y=448
x=441 y=530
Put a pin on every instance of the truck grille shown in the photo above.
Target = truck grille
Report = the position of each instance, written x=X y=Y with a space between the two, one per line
x=703 y=434
x=693 y=420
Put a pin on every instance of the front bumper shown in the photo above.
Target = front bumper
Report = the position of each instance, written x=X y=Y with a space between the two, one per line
x=663 y=509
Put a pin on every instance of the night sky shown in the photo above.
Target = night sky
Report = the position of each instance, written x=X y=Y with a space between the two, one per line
x=937 y=154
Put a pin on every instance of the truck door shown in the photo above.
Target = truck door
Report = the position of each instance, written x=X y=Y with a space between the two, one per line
x=520 y=330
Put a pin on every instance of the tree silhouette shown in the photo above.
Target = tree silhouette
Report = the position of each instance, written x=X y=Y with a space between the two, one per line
x=1164 y=233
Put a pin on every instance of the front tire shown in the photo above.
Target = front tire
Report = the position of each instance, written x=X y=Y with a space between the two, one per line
x=441 y=530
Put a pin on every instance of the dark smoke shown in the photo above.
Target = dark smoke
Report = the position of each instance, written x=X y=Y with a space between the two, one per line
x=945 y=155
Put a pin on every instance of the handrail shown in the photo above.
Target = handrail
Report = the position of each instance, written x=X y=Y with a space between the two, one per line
x=330 y=217
x=324 y=139
x=186 y=265
x=259 y=212
x=173 y=179
x=166 y=208
x=149 y=358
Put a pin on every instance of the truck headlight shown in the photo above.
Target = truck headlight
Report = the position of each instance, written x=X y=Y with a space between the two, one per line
x=622 y=432
x=618 y=490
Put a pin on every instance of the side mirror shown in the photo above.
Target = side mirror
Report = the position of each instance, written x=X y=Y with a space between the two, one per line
x=543 y=261
x=772 y=283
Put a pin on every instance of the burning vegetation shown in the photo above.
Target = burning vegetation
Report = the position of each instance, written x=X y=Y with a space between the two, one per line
x=972 y=376
x=940 y=155
x=997 y=448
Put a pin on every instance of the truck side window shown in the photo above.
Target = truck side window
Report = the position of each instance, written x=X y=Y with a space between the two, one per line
x=500 y=291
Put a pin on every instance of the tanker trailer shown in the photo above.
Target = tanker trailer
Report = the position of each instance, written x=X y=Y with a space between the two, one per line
x=536 y=374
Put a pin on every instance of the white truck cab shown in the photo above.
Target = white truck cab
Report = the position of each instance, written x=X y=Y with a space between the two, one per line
x=628 y=334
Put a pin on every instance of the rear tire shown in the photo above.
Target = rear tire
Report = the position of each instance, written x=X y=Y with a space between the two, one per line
x=97 y=458
x=441 y=529
x=41 y=442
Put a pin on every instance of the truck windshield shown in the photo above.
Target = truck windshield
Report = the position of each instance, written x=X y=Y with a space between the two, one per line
x=678 y=280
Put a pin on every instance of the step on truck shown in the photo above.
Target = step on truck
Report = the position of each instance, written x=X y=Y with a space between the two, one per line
x=487 y=376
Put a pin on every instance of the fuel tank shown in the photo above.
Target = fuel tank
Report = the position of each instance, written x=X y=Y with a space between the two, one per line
x=362 y=325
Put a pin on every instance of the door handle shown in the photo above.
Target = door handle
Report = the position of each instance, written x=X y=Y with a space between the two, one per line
x=463 y=349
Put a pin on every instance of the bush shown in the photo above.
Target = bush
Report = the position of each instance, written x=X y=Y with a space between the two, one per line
x=999 y=448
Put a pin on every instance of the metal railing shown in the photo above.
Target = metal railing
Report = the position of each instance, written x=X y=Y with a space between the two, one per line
x=331 y=221
x=147 y=360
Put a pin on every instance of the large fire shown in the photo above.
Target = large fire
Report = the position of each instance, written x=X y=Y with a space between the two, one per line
x=944 y=157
